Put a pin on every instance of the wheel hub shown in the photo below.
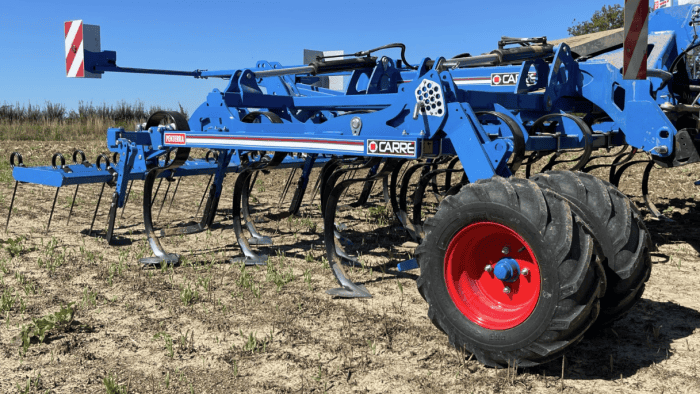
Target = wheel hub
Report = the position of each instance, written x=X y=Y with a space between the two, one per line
x=492 y=290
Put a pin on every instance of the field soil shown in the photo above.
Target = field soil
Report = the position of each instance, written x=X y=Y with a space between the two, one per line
x=209 y=325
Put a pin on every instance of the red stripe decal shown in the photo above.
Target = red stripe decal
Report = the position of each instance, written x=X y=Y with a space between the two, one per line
x=66 y=27
x=81 y=71
x=356 y=143
x=632 y=38
x=76 y=43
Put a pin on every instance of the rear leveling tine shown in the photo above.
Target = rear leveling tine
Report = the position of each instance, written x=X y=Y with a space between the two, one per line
x=126 y=199
x=174 y=193
x=286 y=186
x=206 y=189
x=97 y=208
x=165 y=197
x=55 y=196
x=72 y=203
x=156 y=193
x=12 y=202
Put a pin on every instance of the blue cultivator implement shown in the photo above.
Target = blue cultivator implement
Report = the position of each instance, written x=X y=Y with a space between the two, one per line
x=514 y=270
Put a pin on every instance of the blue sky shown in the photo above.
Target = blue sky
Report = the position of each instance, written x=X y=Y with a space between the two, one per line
x=189 y=35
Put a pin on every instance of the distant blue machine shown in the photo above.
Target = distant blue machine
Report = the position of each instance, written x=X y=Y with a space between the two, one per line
x=491 y=113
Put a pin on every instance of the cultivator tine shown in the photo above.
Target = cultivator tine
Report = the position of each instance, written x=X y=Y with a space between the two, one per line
x=252 y=182
x=204 y=195
x=55 y=197
x=126 y=199
x=334 y=249
x=239 y=211
x=12 y=203
x=402 y=214
x=645 y=193
x=97 y=207
x=256 y=238
x=174 y=193
x=72 y=203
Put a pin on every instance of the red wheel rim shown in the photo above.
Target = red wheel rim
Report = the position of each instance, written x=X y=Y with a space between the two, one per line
x=477 y=293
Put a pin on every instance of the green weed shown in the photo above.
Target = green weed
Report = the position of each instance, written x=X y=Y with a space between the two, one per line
x=168 y=342
x=15 y=246
x=112 y=386
x=188 y=295
x=59 y=322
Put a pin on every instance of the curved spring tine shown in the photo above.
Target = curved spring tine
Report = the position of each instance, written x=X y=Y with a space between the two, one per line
x=12 y=203
x=645 y=193
x=252 y=182
x=419 y=194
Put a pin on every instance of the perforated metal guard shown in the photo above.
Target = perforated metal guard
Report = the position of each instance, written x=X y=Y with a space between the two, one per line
x=430 y=95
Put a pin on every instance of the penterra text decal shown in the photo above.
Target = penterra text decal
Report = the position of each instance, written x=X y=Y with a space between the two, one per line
x=174 y=139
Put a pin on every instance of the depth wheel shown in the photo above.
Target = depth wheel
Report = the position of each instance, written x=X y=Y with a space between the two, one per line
x=618 y=230
x=509 y=273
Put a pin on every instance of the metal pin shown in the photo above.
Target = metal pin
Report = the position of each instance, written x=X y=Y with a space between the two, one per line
x=12 y=202
x=96 y=208
x=521 y=249
x=55 y=196
x=72 y=203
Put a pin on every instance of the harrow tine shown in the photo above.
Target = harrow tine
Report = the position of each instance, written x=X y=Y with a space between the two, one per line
x=97 y=208
x=72 y=203
x=126 y=199
x=286 y=186
x=12 y=202
x=156 y=193
x=206 y=189
x=55 y=197
x=174 y=193
x=165 y=197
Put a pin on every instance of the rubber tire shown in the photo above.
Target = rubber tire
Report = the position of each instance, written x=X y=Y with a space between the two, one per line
x=571 y=278
x=619 y=231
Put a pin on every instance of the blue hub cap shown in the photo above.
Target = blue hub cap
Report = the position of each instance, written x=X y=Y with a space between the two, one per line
x=507 y=270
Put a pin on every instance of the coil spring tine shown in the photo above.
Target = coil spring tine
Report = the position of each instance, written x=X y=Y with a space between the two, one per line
x=55 y=196
x=286 y=186
x=165 y=197
x=72 y=203
x=97 y=208
x=645 y=193
x=12 y=202
x=126 y=199
x=316 y=189
x=174 y=193
x=156 y=193
x=206 y=189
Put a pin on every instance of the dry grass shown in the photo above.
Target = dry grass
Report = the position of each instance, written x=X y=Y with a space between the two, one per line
x=53 y=122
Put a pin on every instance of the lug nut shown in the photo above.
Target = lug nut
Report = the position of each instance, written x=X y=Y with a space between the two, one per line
x=505 y=250
x=506 y=290
x=488 y=268
x=525 y=272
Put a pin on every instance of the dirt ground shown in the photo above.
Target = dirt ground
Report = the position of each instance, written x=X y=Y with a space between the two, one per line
x=211 y=326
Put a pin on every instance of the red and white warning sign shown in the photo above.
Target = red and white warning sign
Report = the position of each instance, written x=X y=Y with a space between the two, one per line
x=80 y=38
x=661 y=4
x=636 y=39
